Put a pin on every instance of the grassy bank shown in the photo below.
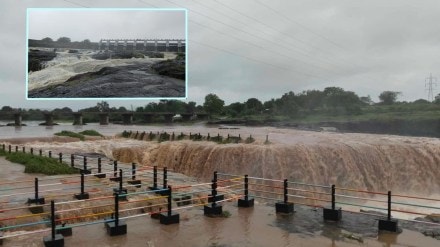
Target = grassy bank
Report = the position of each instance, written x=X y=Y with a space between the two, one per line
x=38 y=164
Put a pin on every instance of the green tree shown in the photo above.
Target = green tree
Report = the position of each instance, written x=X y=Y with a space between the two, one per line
x=213 y=104
x=287 y=104
x=253 y=106
x=235 y=109
x=437 y=99
x=103 y=106
x=7 y=109
x=63 y=40
x=366 y=100
x=47 y=40
x=311 y=99
x=191 y=107
x=389 y=97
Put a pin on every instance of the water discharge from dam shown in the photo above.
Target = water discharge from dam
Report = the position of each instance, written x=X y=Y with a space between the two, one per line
x=66 y=65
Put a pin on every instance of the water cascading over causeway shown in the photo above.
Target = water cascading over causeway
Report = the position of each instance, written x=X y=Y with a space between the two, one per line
x=387 y=164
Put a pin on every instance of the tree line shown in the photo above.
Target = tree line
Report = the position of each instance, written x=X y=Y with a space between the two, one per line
x=63 y=42
x=331 y=101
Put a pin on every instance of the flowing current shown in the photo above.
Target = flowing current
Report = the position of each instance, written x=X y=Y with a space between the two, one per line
x=362 y=161
x=66 y=65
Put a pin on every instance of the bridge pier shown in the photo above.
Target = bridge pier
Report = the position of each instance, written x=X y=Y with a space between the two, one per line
x=186 y=116
x=18 y=119
x=202 y=116
x=127 y=118
x=103 y=119
x=148 y=117
x=168 y=117
x=77 y=118
x=49 y=119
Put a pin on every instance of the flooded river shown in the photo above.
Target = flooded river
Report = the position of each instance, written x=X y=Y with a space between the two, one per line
x=374 y=162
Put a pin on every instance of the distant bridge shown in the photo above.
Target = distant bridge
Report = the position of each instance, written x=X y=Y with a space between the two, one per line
x=104 y=117
x=156 y=45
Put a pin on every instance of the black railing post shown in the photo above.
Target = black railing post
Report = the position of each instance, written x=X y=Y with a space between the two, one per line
x=169 y=201
x=246 y=202
x=32 y=151
x=389 y=205
x=72 y=160
x=246 y=187
x=52 y=218
x=333 y=197
x=155 y=177
x=116 y=209
x=60 y=157
x=214 y=192
x=41 y=152
x=85 y=163
x=9 y=148
x=50 y=154
x=82 y=183
x=36 y=189
x=285 y=191
x=120 y=180
x=165 y=178
x=99 y=165
x=115 y=168
x=16 y=149
x=133 y=171
x=23 y=149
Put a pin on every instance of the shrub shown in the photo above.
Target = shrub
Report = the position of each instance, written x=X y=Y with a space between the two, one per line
x=90 y=133
x=70 y=134
x=39 y=164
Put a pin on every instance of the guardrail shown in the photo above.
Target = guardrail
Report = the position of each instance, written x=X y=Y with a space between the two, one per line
x=109 y=192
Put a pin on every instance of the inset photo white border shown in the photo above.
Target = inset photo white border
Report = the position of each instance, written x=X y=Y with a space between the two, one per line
x=116 y=50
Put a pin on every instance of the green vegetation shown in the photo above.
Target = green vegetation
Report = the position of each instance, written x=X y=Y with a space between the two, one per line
x=90 y=133
x=70 y=134
x=39 y=164
x=311 y=109
x=81 y=135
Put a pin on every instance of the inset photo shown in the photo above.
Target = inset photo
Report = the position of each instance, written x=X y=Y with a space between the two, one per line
x=106 y=53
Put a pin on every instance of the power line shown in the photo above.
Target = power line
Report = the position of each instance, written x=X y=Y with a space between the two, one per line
x=246 y=57
x=77 y=4
x=258 y=46
x=299 y=24
x=307 y=44
x=250 y=34
x=148 y=4
x=430 y=83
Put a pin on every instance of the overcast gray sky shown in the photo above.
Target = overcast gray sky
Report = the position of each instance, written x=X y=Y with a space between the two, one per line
x=264 y=48
x=80 y=24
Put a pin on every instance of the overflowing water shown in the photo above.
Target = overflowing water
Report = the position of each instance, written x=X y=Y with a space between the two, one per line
x=66 y=65
x=407 y=165
x=363 y=161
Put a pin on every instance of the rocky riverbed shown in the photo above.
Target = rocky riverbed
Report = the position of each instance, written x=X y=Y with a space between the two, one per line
x=137 y=80
x=88 y=74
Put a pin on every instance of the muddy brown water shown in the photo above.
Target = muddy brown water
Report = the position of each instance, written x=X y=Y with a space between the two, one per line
x=258 y=226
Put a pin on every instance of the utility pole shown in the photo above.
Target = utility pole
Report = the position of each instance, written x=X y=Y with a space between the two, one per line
x=430 y=83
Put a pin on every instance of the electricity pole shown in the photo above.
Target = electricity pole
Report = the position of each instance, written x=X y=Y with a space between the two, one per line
x=430 y=83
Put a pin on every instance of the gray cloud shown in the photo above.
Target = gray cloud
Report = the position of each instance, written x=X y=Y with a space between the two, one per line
x=363 y=46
